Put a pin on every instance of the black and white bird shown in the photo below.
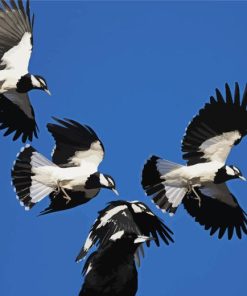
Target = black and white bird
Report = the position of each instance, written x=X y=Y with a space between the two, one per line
x=121 y=217
x=111 y=270
x=16 y=44
x=71 y=178
x=201 y=185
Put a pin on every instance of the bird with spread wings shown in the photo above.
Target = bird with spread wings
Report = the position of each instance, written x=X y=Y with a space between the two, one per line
x=201 y=185
x=16 y=45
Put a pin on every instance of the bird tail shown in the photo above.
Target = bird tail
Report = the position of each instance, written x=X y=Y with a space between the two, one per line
x=167 y=198
x=29 y=191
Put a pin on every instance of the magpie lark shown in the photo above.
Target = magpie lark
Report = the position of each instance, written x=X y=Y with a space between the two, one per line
x=123 y=216
x=71 y=179
x=111 y=270
x=201 y=185
x=16 y=43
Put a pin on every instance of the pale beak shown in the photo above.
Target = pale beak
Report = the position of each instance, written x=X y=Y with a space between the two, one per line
x=142 y=239
x=242 y=178
x=115 y=191
x=47 y=91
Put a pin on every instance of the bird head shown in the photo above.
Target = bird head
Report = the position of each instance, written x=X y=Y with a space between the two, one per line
x=234 y=172
x=99 y=180
x=226 y=173
x=107 y=181
x=38 y=82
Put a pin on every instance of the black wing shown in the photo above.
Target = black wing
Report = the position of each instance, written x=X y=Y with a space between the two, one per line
x=218 y=126
x=134 y=217
x=217 y=212
x=76 y=145
x=15 y=21
x=17 y=115
x=59 y=203
x=149 y=224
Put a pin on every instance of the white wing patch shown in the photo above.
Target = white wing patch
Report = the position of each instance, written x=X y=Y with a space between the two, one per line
x=89 y=159
x=17 y=58
x=117 y=235
x=90 y=266
x=218 y=148
x=137 y=209
x=109 y=214
x=88 y=244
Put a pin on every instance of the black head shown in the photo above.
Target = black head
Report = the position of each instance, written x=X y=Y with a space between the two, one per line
x=38 y=82
x=228 y=173
x=99 y=180
x=29 y=82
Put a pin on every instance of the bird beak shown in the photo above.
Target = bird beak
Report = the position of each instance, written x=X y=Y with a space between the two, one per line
x=142 y=239
x=242 y=178
x=47 y=91
x=115 y=191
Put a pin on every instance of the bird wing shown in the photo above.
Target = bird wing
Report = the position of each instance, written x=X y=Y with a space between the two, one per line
x=149 y=224
x=221 y=124
x=16 y=36
x=59 y=203
x=17 y=115
x=75 y=145
x=219 y=210
x=124 y=216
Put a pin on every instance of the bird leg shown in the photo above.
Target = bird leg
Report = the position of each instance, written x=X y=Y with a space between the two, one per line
x=196 y=195
x=57 y=190
x=61 y=189
x=66 y=196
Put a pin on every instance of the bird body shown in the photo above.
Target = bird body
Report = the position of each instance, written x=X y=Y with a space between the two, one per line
x=195 y=175
x=111 y=270
x=70 y=178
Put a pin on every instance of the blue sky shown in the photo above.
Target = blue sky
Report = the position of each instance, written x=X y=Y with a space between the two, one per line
x=136 y=72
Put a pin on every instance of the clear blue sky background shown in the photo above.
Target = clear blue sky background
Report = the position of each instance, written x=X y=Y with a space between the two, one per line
x=136 y=72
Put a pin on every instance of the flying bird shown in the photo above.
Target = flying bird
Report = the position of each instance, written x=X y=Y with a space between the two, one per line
x=201 y=185
x=123 y=216
x=16 y=44
x=71 y=178
x=111 y=270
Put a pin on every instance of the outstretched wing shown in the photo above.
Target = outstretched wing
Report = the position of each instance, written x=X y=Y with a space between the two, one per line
x=219 y=211
x=149 y=224
x=17 y=115
x=75 y=145
x=134 y=217
x=16 y=36
x=218 y=126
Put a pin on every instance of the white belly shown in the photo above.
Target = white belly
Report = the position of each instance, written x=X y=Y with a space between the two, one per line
x=197 y=174
x=69 y=178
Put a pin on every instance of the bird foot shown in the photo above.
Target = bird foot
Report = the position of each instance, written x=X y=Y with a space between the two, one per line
x=66 y=196
x=56 y=191
x=191 y=189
